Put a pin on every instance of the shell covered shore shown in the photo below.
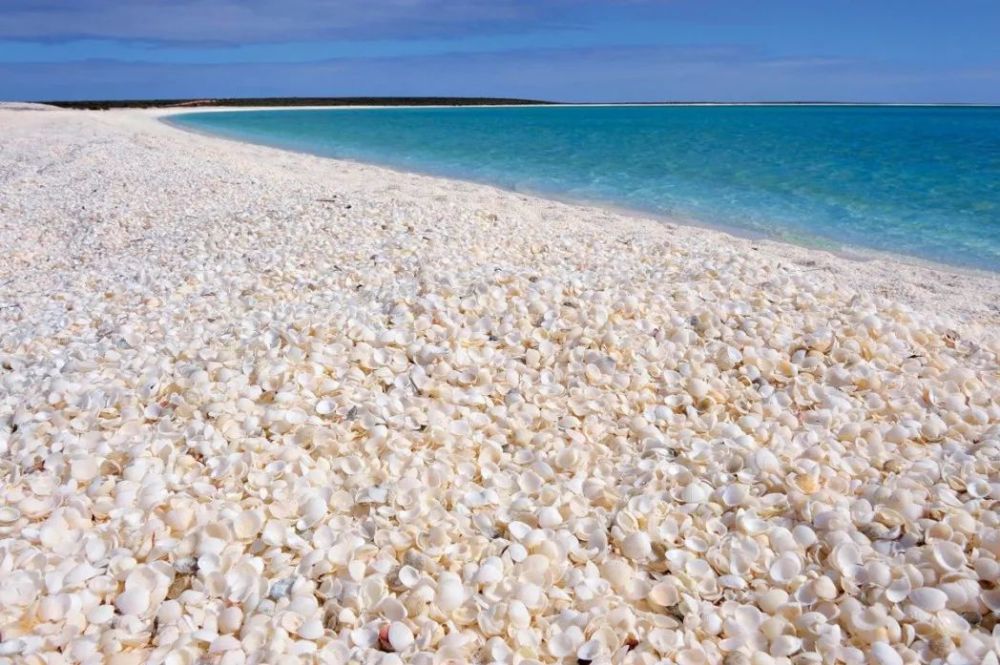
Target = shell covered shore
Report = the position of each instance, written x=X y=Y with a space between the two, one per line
x=260 y=407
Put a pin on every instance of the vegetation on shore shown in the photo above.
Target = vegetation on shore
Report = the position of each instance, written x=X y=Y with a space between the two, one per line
x=295 y=101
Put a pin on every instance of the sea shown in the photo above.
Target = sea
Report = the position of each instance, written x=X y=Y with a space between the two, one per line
x=917 y=181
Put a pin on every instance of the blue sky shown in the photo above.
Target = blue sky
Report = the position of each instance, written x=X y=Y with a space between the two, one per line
x=568 y=50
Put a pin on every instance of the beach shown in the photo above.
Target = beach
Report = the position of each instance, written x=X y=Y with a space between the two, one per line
x=258 y=405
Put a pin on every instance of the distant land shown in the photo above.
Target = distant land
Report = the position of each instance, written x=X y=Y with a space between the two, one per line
x=295 y=101
x=435 y=101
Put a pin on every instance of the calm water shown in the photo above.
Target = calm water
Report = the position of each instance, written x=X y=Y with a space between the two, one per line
x=912 y=180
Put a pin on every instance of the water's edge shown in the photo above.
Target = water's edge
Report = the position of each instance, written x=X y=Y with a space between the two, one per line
x=837 y=249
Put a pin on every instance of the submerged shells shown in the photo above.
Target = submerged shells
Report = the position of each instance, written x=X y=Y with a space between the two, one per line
x=241 y=424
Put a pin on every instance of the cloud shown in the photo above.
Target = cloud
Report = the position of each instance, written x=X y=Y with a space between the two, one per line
x=242 y=21
x=721 y=73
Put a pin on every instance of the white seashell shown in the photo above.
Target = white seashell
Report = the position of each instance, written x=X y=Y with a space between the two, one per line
x=661 y=640
x=311 y=629
x=785 y=568
x=566 y=643
x=846 y=557
x=735 y=495
x=230 y=619
x=9 y=515
x=450 y=593
x=549 y=517
x=408 y=576
x=400 y=636
x=784 y=646
x=664 y=594
x=991 y=598
x=490 y=572
x=589 y=650
x=248 y=524
x=392 y=609
x=929 y=599
x=518 y=530
x=898 y=589
x=696 y=492
x=133 y=602
x=224 y=643
x=100 y=614
x=948 y=556
x=637 y=546
x=312 y=511
x=883 y=654
x=517 y=552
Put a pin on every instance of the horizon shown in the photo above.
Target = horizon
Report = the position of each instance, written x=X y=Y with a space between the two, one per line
x=590 y=51
x=195 y=103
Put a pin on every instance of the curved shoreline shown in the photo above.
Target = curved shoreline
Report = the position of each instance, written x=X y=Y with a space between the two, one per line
x=805 y=240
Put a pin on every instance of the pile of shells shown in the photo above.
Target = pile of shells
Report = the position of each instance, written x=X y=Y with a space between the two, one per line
x=246 y=426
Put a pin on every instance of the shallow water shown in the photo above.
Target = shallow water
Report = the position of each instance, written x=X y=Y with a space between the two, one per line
x=921 y=181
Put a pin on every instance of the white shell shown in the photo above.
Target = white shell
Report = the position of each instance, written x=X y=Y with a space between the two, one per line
x=929 y=599
x=400 y=636
x=450 y=592
x=948 y=556
x=637 y=546
x=135 y=601
x=883 y=654
x=785 y=568
x=311 y=629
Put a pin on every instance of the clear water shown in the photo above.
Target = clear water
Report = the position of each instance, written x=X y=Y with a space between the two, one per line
x=922 y=181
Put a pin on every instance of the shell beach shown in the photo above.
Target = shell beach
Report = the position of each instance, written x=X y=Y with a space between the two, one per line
x=264 y=407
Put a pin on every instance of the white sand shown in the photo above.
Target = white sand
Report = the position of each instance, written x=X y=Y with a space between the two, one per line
x=257 y=403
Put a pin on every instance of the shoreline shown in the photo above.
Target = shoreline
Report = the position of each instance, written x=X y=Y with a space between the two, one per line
x=257 y=405
x=841 y=251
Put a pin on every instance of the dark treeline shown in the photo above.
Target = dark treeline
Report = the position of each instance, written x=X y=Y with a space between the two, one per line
x=294 y=101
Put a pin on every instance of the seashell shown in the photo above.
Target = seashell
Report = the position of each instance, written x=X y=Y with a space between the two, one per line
x=785 y=568
x=883 y=654
x=133 y=602
x=312 y=511
x=735 y=495
x=929 y=599
x=695 y=493
x=589 y=650
x=991 y=598
x=247 y=524
x=224 y=643
x=785 y=645
x=517 y=552
x=637 y=546
x=408 y=576
x=311 y=629
x=450 y=593
x=846 y=557
x=392 y=609
x=948 y=556
x=518 y=530
x=664 y=594
x=549 y=518
x=100 y=614
x=9 y=515
x=490 y=572
x=566 y=642
x=399 y=636
x=230 y=619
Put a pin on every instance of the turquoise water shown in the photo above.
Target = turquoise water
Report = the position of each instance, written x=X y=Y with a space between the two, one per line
x=922 y=181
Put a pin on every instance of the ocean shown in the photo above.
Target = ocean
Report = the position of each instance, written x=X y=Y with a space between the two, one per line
x=921 y=181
